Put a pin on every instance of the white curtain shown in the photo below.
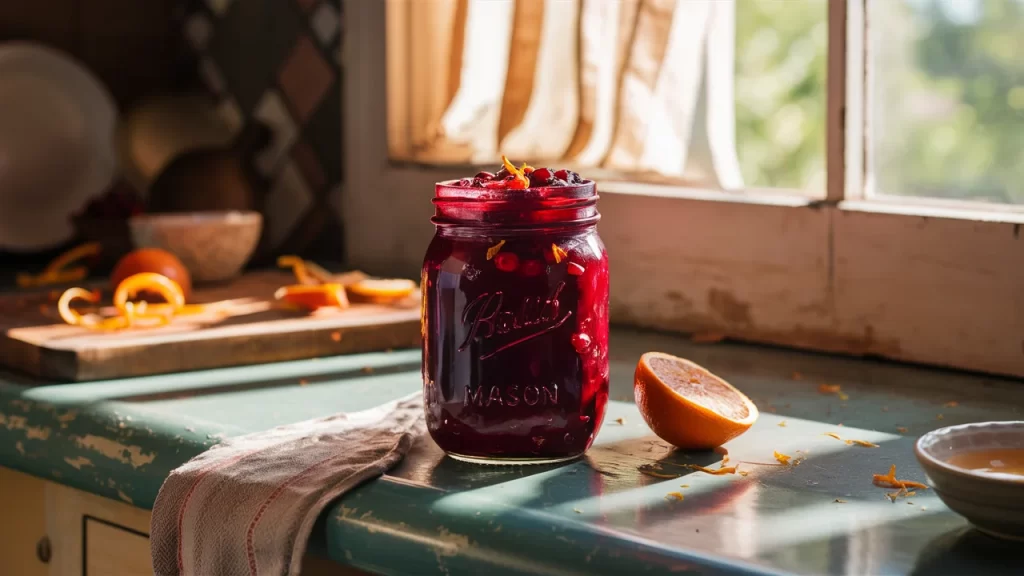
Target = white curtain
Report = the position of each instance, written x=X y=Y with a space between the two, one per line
x=636 y=86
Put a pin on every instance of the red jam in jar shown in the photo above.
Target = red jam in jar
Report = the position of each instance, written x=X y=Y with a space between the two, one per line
x=515 y=290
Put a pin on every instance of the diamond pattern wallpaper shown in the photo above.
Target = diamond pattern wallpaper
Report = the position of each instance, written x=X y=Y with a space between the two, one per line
x=275 y=62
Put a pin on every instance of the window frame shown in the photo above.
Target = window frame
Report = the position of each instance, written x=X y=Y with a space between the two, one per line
x=931 y=282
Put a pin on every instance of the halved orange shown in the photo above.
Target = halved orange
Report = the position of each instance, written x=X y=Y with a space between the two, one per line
x=688 y=406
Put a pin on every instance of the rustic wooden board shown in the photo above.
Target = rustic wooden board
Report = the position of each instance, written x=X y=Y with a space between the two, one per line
x=34 y=340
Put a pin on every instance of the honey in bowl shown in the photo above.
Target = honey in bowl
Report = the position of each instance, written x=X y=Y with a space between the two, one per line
x=1008 y=461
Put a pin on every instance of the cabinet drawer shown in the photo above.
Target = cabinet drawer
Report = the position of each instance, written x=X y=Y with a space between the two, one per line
x=108 y=548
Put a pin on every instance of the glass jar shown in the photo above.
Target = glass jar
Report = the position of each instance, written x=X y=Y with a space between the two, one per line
x=515 y=323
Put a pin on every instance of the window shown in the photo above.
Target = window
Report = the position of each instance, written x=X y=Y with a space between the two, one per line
x=727 y=95
x=947 y=99
x=807 y=221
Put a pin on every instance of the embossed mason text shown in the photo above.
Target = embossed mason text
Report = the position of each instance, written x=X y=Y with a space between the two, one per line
x=511 y=396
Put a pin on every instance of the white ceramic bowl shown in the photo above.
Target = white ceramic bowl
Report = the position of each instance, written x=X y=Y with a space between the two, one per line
x=212 y=245
x=993 y=503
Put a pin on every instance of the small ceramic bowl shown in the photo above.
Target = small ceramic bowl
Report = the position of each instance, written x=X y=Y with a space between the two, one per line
x=994 y=503
x=212 y=245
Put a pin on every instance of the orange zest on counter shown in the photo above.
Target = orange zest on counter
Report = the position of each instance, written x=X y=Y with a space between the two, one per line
x=712 y=471
x=67 y=313
x=649 y=472
x=833 y=389
x=306 y=272
x=890 y=481
x=128 y=312
x=58 y=271
x=863 y=443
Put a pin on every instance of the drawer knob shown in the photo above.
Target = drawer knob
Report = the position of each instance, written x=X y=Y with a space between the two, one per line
x=43 y=550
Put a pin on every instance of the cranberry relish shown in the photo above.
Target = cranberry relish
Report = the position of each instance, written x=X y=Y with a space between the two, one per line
x=538 y=178
x=515 y=317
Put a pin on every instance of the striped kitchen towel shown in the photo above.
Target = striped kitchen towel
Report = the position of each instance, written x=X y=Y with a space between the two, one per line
x=246 y=507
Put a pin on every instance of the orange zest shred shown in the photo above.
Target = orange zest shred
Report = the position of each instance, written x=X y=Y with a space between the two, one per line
x=128 y=312
x=57 y=271
x=864 y=443
x=149 y=282
x=783 y=459
x=140 y=310
x=74 y=274
x=313 y=297
x=951 y=404
x=521 y=182
x=298 y=266
x=833 y=389
x=309 y=272
x=901 y=429
x=64 y=305
x=712 y=471
x=655 y=474
x=890 y=481
x=677 y=496
x=74 y=255
x=781 y=424
x=493 y=250
x=558 y=253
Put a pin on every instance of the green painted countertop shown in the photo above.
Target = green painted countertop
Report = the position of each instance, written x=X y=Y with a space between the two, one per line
x=597 y=515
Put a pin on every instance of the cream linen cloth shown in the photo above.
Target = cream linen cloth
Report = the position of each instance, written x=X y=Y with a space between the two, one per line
x=247 y=506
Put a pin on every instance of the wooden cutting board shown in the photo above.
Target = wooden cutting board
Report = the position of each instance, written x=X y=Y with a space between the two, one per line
x=247 y=330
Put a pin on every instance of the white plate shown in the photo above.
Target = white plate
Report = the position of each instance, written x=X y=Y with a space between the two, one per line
x=57 y=126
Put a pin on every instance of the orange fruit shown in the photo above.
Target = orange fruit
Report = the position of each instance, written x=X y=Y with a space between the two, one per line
x=156 y=261
x=687 y=406
x=375 y=289
x=313 y=297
